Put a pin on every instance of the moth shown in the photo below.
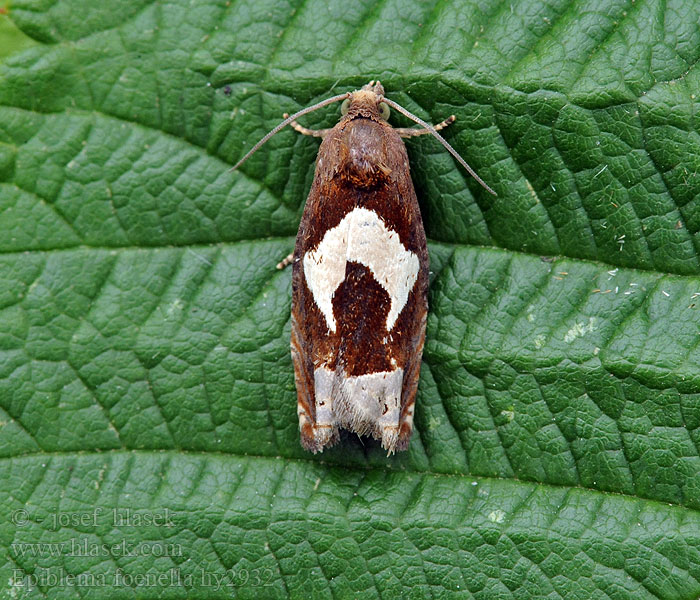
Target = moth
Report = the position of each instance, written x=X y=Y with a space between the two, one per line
x=360 y=276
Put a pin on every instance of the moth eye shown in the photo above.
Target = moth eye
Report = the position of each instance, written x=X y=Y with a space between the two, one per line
x=384 y=111
x=345 y=106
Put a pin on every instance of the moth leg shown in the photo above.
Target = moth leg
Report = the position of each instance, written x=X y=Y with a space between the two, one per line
x=305 y=130
x=286 y=261
x=407 y=132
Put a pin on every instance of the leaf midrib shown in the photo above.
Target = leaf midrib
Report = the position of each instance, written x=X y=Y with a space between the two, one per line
x=330 y=465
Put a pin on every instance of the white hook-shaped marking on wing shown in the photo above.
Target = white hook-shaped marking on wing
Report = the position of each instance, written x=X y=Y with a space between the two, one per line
x=361 y=237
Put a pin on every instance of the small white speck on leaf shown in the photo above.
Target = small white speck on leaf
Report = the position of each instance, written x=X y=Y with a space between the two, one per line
x=599 y=172
x=580 y=329
x=497 y=516
x=175 y=306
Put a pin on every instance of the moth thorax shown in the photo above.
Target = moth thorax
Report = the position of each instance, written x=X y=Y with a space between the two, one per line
x=364 y=156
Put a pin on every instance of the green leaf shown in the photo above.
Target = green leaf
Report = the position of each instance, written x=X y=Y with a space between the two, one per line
x=148 y=433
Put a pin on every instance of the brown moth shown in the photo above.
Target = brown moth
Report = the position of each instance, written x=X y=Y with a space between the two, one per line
x=360 y=277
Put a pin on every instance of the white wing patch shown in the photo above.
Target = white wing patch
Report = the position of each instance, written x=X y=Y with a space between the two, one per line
x=361 y=237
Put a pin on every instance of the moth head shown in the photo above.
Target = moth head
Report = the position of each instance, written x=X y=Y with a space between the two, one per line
x=367 y=102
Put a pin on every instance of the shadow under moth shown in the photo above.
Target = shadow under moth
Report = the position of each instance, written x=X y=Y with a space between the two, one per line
x=360 y=276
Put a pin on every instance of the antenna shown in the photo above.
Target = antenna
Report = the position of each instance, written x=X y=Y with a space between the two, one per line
x=287 y=121
x=440 y=139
